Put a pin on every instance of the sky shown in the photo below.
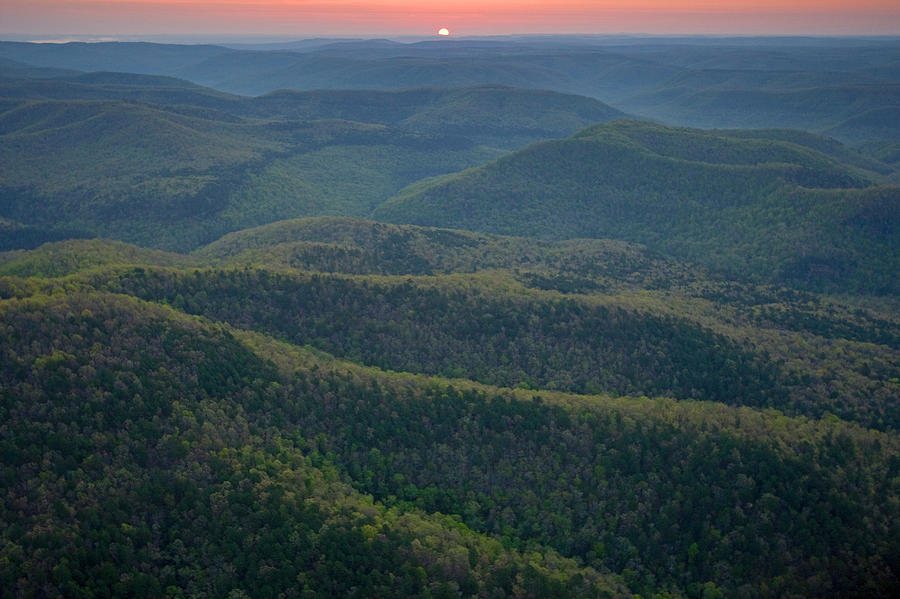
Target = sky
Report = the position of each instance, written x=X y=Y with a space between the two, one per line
x=304 y=18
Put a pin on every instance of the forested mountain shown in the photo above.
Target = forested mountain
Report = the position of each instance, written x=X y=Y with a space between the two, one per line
x=129 y=57
x=13 y=69
x=166 y=163
x=494 y=114
x=834 y=86
x=75 y=255
x=354 y=246
x=106 y=85
x=356 y=65
x=765 y=208
x=839 y=110
x=160 y=460
x=582 y=316
x=641 y=360
x=187 y=458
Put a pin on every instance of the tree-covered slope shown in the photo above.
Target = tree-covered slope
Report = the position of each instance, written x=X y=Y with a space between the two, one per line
x=163 y=162
x=683 y=499
x=464 y=329
x=510 y=341
x=761 y=208
x=18 y=236
x=849 y=156
x=577 y=315
x=354 y=246
x=154 y=175
x=155 y=466
x=495 y=114
x=104 y=85
x=149 y=453
x=501 y=115
x=840 y=354
x=62 y=258
x=876 y=124
x=122 y=169
x=802 y=104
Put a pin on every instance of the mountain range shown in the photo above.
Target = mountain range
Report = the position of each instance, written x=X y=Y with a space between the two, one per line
x=200 y=163
x=536 y=316
x=804 y=83
x=774 y=210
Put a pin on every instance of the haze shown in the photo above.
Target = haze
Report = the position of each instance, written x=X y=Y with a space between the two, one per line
x=466 y=17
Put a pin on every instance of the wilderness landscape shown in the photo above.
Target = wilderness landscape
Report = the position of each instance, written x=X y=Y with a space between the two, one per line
x=525 y=316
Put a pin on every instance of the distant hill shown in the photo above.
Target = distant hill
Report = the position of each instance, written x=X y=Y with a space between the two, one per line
x=887 y=152
x=95 y=165
x=12 y=69
x=102 y=85
x=824 y=108
x=130 y=57
x=817 y=84
x=759 y=207
x=585 y=71
x=346 y=245
x=847 y=155
x=882 y=124
x=494 y=114
x=76 y=255
x=194 y=163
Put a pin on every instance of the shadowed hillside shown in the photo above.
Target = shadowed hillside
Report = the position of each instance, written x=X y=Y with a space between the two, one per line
x=158 y=466
x=180 y=173
x=765 y=208
x=143 y=447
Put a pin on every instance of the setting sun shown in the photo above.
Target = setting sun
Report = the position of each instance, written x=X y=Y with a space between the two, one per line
x=443 y=31
x=477 y=17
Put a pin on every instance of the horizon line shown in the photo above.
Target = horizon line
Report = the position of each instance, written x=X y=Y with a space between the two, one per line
x=70 y=37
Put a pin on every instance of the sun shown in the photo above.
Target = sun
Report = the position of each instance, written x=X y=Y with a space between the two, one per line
x=443 y=31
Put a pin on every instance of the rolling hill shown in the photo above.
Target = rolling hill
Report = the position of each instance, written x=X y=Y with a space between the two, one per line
x=818 y=84
x=58 y=259
x=128 y=513
x=143 y=446
x=764 y=208
x=129 y=57
x=94 y=165
x=827 y=108
x=180 y=173
x=602 y=315
x=346 y=245
x=490 y=114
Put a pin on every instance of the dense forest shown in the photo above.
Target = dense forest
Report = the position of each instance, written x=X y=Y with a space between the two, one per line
x=142 y=441
x=381 y=319
x=157 y=468
x=767 y=209
x=166 y=163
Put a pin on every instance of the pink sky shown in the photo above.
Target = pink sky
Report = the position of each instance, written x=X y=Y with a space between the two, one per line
x=463 y=17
